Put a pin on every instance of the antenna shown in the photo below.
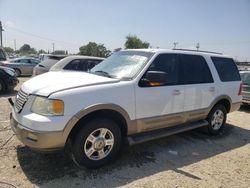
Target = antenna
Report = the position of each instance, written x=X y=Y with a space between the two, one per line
x=197 y=46
x=175 y=44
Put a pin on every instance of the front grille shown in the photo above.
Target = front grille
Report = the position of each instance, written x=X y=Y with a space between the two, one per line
x=21 y=99
x=246 y=88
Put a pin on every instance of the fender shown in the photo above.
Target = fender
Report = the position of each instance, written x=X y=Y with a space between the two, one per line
x=131 y=124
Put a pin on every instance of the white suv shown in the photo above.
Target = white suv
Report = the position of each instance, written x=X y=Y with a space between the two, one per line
x=133 y=96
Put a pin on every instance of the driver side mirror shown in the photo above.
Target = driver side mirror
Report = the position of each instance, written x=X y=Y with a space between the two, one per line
x=153 y=78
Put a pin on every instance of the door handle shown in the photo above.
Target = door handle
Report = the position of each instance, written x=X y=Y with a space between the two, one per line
x=212 y=89
x=176 y=92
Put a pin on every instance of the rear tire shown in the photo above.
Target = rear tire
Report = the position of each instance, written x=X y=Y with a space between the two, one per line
x=17 y=72
x=216 y=119
x=97 y=143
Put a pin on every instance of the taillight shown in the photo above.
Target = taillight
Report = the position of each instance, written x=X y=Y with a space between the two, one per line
x=240 y=89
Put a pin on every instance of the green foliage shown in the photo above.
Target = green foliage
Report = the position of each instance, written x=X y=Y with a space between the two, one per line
x=42 y=51
x=133 y=42
x=26 y=49
x=8 y=50
x=93 y=49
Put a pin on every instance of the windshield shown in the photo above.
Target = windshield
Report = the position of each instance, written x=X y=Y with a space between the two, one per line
x=245 y=77
x=2 y=55
x=124 y=64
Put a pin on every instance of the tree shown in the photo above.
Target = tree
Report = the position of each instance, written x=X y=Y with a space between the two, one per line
x=42 y=51
x=32 y=51
x=93 y=49
x=133 y=42
x=26 y=49
x=8 y=50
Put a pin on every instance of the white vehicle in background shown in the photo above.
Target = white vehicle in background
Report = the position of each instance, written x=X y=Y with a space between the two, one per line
x=76 y=63
x=43 y=57
x=47 y=61
x=245 y=77
x=132 y=96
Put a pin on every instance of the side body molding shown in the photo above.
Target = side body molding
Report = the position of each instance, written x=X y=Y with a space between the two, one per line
x=139 y=125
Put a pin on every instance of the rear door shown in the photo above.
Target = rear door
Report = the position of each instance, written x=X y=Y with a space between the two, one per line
x=25 y=66
x=32 y=64
x=92 y=63
x=76 y=65
x=199 y=88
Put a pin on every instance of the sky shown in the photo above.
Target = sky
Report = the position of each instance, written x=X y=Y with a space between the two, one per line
x=217 y=25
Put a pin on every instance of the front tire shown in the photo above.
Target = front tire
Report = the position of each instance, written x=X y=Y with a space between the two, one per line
x=216 y=119
x=97 y=143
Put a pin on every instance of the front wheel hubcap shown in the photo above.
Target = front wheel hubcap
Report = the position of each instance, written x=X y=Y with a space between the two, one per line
x=217 y=119
x=99 y=144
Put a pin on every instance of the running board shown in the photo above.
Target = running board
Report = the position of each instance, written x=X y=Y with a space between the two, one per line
x=160 y=133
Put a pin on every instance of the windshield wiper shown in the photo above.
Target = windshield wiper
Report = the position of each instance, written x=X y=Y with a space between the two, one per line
x=100 y=72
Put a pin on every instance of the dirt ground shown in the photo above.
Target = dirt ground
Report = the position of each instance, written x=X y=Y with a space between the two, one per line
x=190 y=159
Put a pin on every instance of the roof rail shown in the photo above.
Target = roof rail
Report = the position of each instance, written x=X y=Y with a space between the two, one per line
x=197 y=51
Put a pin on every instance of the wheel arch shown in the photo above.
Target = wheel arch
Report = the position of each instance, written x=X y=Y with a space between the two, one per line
x=115 y=112
x=18 y=69
x=224 y=100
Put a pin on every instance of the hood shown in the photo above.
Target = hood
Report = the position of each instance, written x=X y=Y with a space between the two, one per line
x=3 y=67
x=51 y=82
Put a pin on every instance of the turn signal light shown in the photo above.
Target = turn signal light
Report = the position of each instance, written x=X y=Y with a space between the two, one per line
x=240 y=89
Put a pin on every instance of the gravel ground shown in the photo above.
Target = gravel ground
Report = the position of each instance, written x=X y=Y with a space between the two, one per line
x=190 y=159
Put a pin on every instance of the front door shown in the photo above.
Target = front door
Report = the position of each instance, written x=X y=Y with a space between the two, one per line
x=161 y=106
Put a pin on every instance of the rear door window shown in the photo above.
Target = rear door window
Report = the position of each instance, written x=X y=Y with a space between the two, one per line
x=34 y=62
x=194 y=70
x=74 y=65
x=24 y=61
x=226 y=69
x=92 y=63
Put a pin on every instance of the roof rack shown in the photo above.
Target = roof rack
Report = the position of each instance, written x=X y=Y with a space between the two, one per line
x=197 y=51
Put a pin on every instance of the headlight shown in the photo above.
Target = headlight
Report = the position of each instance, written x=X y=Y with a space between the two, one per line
x=45 y=106
x=10 y=72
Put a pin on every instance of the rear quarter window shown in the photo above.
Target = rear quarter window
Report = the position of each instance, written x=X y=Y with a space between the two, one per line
x=226 y=69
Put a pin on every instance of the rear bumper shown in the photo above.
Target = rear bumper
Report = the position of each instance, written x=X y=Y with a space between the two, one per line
x=41 y=141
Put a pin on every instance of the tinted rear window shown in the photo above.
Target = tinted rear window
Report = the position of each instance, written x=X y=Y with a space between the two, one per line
x=226 y=69
x=194 y=70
